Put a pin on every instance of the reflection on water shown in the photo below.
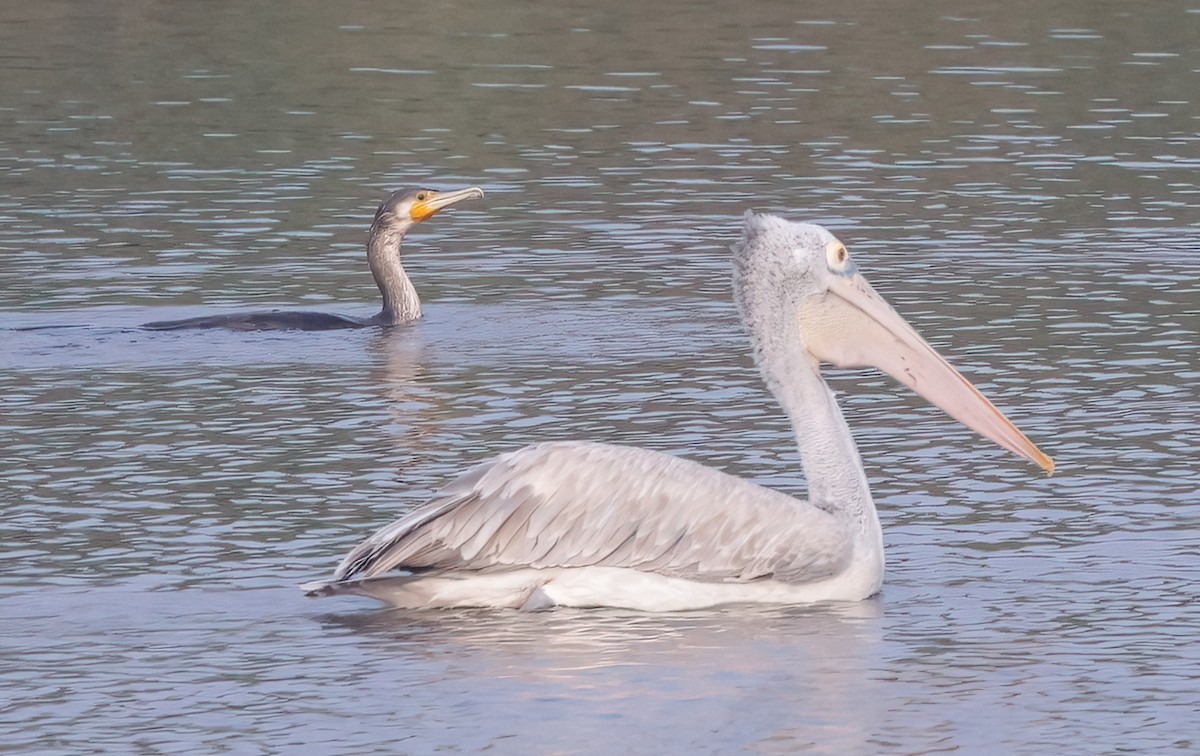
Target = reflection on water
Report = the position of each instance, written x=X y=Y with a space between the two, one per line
x=553 y=681
x=1019 y=182
x=580 y=672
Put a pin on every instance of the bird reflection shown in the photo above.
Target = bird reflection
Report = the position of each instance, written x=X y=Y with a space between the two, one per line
x=720 y=679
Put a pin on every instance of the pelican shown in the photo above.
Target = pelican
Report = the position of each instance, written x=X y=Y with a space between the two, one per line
x=395 y=216
x=584 y=524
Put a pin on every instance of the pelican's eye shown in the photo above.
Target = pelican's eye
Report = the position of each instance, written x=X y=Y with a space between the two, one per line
x=422 y=196
x=838 y=257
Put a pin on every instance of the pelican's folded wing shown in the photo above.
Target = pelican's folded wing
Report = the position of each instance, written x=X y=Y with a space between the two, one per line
x=575 y=504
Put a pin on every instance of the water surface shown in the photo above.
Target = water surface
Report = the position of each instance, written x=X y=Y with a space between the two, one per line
x=1019 y=182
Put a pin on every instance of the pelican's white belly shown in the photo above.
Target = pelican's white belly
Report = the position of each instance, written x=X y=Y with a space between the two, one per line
x=531 y=589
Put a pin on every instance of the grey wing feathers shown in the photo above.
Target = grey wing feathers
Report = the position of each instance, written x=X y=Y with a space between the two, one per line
x=575 y=504
x=379 y=554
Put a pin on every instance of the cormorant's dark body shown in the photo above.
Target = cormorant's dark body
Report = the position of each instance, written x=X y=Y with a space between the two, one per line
x=276 y=320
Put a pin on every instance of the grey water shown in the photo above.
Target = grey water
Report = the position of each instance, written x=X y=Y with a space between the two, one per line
x=1020 y=180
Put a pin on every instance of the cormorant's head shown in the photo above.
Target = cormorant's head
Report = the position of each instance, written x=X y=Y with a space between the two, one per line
x=408 y=207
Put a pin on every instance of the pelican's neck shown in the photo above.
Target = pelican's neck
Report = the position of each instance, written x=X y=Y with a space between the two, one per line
x=832 y=467
x=400 y=301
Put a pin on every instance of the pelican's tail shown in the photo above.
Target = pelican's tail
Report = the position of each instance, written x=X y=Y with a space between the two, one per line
x=511 y=589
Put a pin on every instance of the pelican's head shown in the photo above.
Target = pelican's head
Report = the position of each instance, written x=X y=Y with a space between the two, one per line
x=408 y=207
x=777 y=261
x=800 y=278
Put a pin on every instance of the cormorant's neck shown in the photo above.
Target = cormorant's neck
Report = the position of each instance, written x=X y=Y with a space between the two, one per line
x=400 y=301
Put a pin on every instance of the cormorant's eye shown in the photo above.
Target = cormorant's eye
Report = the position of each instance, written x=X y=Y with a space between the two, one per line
x=421 y=196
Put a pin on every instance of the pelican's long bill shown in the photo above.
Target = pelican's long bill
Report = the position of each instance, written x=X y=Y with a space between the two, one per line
x=434 y=201
x=852 y=326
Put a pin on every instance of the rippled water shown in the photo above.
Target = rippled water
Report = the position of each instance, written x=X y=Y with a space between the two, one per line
x=1020 y=182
